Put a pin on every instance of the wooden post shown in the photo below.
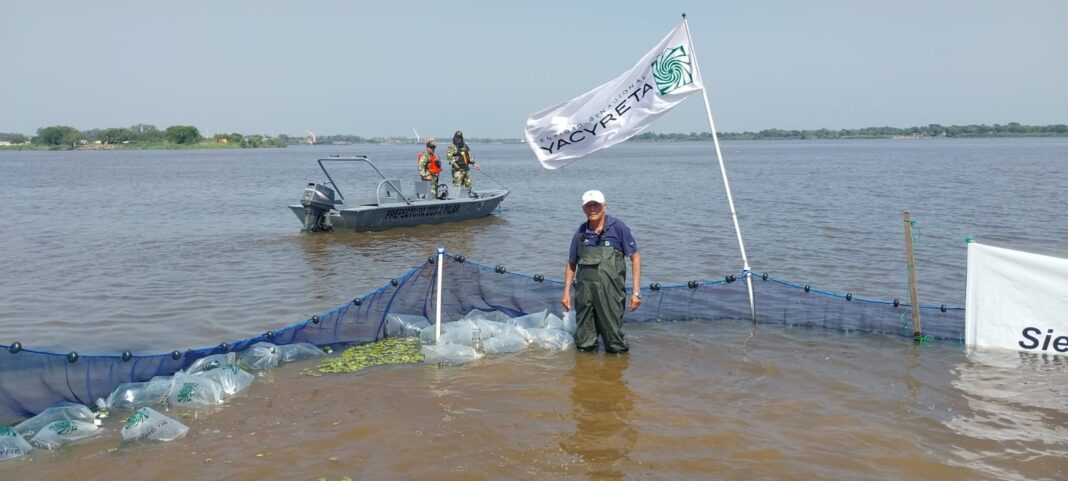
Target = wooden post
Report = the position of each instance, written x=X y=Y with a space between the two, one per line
x=914 y=297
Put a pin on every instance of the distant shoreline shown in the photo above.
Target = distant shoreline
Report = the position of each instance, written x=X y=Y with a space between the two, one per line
x=74 y=139
x=858 y=137
x=686 y=138
x=152 y=146
x=933 y=131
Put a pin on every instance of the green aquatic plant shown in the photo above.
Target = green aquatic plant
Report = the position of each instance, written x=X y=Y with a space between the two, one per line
x=391 y=350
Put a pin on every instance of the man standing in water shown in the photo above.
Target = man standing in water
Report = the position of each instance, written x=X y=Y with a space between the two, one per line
x=596 y=263
x=459 y=155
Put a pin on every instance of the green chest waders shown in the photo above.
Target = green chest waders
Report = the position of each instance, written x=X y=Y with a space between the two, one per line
x=600 y=297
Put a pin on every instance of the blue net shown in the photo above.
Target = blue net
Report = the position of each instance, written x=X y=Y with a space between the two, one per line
x=31 y=381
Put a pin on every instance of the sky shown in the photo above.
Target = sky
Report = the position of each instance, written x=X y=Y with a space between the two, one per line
x=379 y=69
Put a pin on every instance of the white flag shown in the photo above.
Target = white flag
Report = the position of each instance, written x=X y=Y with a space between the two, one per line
x=619 y=109
x=1016 y=300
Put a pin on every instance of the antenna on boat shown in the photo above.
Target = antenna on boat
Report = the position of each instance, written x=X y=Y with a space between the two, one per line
x=494 y=180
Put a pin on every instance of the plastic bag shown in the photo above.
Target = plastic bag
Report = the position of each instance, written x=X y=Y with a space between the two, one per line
x=566 y=323
x=211 y=362
x=223 y=369
x=405 y=325
x=264 y=355
x=505 y=343
x=464 y=332
x=492 y=316
x=12 y=445
x=233 y=379
x=427 y=335
x=530 y=321
x=133 y=395
x=551 y=339
x=61 y=433
x=570 y=326
x=63 y=411
x=146 y=424
x=449 y=354
x=553 y=322
x=493 y=328
x=192 y=391
x=299 y=351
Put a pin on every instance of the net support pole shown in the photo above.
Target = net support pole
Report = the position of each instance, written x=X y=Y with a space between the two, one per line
x=914 y=295
x=437 y=301
x=726 y=184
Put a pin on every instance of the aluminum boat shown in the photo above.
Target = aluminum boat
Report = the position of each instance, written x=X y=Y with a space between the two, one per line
x=323 y=207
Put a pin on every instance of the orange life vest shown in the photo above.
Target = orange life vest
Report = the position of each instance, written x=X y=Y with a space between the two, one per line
x=434 y=166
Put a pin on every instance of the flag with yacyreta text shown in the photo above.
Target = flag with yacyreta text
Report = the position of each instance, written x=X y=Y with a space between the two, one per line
x=619 y=109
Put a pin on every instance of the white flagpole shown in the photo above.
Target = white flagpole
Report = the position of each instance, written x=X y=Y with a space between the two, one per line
x=437 y=302
x=723 y=171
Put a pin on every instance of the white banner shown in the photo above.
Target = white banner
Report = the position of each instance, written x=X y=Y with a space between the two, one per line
x=1016 y=300
x=617 y=110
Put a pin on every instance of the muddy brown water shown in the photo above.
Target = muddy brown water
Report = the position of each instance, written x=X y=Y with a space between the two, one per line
x=154 y=251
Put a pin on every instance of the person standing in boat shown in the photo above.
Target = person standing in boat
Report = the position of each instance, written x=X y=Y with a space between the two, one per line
x=459 y=155
x=596 y=264
x=430 y=167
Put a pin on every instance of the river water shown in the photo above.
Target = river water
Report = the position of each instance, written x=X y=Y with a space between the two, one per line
x=104 y=251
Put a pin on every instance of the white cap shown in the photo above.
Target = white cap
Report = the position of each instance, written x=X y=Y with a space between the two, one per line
x=592 y=196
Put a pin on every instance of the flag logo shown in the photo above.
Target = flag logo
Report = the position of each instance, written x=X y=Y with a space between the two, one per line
x=186 y=393
x=618 y=109
x=138 y=417
x=672 y=70
x=63 y=427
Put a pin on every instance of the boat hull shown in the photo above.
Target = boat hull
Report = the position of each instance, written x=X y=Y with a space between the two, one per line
x=368 y=218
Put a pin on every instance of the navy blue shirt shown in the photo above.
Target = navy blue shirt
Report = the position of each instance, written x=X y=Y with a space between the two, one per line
x=616 y=235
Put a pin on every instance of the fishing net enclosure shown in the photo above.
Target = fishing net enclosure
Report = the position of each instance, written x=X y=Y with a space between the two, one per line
x=32 y=381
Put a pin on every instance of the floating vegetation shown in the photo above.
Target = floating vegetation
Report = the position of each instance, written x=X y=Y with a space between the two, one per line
x=391 y=350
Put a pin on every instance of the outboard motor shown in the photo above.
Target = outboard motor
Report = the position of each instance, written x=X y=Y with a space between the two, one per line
x=318 y=199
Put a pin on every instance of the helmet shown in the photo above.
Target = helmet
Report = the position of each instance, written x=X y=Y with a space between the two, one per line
x=431 y=143
x=458 y=134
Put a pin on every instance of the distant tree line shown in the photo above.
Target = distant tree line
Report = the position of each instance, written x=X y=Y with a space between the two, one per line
x=13 y=138
x=145 y=135
x=356 y=139
x=1012 y=129
x=140 y=135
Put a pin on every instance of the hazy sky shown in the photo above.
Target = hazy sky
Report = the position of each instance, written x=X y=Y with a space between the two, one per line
x=379 y=69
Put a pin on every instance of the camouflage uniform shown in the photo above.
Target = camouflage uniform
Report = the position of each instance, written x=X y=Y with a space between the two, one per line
x=424 y=171
x=459 y=156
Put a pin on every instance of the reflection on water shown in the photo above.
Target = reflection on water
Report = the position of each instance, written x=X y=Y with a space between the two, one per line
x=367 y=260
x=602 y=406
x=1017 y=400
x=459 y=237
